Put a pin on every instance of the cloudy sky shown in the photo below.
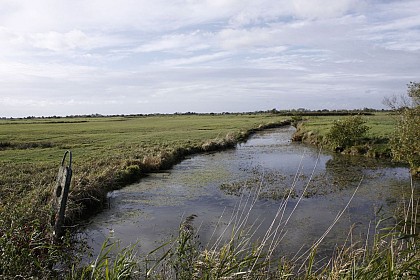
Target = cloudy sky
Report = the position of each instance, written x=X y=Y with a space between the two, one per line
x=62 y=57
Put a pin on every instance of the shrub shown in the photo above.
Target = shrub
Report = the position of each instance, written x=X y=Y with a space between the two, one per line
x=346 y=133
x=405 y=143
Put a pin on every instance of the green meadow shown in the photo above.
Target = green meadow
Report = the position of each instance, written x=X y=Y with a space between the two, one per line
x=381 y=124
x=108 y=153
x=111 y=152
x=31 y=149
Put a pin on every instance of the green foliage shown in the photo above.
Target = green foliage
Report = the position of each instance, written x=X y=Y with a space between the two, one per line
x=234 y=258
x=405 y=143
x=346 y=133
x=185 y=250
x=414 y=93
x=296 y=119
x=26 y=249
x=112 y=263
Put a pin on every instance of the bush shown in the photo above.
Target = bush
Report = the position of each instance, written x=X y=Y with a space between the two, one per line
x=405 y=143
x=346 y=133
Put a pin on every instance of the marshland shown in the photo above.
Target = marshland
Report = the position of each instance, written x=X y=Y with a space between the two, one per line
x=207 y=196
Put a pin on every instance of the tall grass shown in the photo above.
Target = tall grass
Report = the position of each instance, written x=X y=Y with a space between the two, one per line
x=108 y=265
x=235 y=252
x=26 y=247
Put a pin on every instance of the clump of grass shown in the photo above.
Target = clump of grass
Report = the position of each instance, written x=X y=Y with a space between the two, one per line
x=229 y=141
x=26 y=247
x=393 y=254
x=235 y=258
x=108 y=264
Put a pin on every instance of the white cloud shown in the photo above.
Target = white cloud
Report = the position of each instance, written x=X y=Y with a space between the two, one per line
x=242 y=38
x=190 y=42
x=199 y=59
x=313 y=9
x=60 y=41
x=142 y=56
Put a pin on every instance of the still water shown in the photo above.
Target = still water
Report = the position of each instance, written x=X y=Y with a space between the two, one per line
x=267 y=168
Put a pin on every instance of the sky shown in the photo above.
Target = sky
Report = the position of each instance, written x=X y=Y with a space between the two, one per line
x=77 y=57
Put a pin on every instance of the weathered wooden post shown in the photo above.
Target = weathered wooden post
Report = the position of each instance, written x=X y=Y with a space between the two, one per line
x=61 y=192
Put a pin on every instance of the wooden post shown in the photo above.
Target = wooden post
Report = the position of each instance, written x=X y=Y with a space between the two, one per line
x=61 y=192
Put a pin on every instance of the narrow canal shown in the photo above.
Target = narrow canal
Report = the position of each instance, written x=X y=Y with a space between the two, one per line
x=267 y=168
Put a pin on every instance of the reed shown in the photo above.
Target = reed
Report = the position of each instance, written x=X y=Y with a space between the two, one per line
x=108 y=264
x=392 y=253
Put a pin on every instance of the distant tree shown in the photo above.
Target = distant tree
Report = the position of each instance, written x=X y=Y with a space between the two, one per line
x=409 y=100
x=397 y=102
x=345 y=133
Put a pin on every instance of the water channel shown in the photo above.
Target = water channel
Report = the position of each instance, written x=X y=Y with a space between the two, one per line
x=211 y=186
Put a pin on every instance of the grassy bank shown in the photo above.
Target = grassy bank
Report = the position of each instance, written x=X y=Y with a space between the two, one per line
x=314 y=129
x=108 y=153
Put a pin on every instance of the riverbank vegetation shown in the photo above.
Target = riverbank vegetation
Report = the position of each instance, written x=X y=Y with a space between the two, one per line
x=358 y=135
x=405 y=142
x=392 y=134
x=108 y=153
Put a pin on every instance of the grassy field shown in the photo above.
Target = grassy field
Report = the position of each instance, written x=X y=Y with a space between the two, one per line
x=111 y=152
x=381 y=124
x=31 y=150
x=108 y=153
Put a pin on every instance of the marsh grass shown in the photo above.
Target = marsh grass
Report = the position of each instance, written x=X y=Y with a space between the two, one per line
x=26 y=243
x=108 y=264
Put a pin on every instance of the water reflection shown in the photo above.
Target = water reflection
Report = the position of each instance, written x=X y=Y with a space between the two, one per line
x=211 y=185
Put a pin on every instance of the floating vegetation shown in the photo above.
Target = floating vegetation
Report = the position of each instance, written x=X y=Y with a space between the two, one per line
x=391 y=253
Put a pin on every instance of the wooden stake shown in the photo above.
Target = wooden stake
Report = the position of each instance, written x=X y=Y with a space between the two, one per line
x=61 y=192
